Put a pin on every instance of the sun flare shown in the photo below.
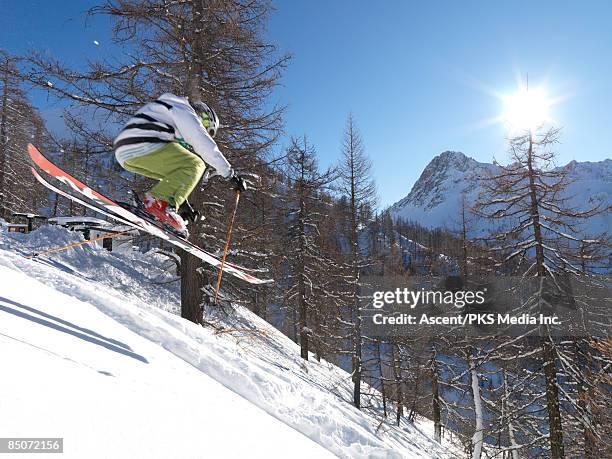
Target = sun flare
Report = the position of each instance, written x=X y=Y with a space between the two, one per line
x=527 y=109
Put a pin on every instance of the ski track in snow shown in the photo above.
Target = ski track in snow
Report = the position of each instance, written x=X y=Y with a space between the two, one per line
x=91 y=355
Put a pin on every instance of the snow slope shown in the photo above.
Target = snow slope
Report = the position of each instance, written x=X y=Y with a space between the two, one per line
x=93 y=352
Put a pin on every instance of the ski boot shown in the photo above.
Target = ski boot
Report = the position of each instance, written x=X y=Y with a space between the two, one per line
x=163 y=212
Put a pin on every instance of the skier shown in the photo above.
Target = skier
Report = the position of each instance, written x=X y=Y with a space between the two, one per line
x=171 y=139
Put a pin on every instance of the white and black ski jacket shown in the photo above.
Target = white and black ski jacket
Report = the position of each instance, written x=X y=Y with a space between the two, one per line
x=170 y=118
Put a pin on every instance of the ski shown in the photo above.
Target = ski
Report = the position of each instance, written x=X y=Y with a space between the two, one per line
x=67 y=195
x=100 y=203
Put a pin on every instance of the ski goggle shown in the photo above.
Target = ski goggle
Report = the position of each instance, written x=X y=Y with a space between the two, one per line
x=206 y=122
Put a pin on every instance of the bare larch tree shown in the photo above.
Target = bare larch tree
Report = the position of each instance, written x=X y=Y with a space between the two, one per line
x=528 y=196
x=357 y=185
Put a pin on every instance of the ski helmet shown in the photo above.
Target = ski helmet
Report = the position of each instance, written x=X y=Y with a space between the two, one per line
x=209 y=118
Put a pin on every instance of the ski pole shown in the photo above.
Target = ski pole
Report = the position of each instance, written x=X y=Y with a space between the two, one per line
x=227 y=242
x=64 y=247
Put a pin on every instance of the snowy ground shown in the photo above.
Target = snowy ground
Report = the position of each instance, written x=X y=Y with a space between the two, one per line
x=93 y=352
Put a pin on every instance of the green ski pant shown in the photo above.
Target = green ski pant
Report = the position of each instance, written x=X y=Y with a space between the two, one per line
x=177 y=169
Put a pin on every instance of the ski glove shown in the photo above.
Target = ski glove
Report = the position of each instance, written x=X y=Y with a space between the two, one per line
x=238 y=183
x=187 y=212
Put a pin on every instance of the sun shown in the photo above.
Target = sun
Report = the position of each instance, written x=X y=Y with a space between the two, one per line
x=527 y=109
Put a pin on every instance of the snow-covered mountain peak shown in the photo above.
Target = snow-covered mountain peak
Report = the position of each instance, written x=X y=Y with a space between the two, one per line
x=600 y=170
x=435 y=199
x=440 y=177
x=453 y=157
x=447 y=161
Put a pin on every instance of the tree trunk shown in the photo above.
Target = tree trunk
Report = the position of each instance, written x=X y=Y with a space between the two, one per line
x=397 y=373
x=303 y=322
x=549 y=355
x=382 y=378
x=478 y=437
x=302 y=304
x=3 y=140
x=256 y=305
x=506 y=405
x=435 y=389
x=535 y=214
x=357 y=358
x=356 y=336
x=584 y=404
x=55 y=205
x=191 y=280
x=415 y=395
x=552 y=401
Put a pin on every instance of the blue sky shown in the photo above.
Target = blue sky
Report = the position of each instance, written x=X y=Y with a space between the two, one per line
x=419 y=77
